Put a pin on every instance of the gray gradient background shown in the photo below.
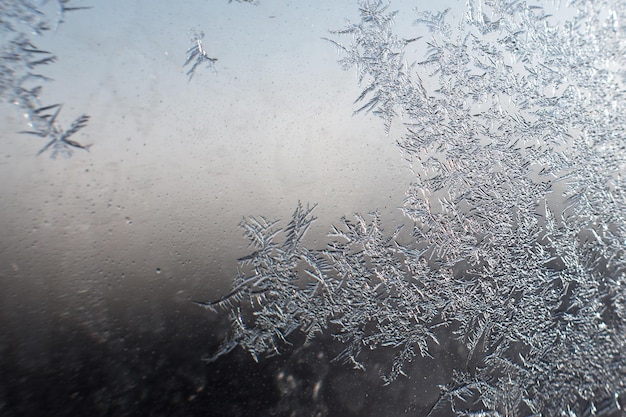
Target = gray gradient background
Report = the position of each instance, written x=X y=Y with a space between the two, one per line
x=121 y=239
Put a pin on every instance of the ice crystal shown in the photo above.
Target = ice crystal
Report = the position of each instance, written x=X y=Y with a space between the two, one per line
x=255 y=2
x=20 y=58
x=515 y=132
x=60 y=141
x=196 y=54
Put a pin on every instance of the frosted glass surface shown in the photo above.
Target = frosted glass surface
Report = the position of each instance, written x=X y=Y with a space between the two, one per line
x=312 y=208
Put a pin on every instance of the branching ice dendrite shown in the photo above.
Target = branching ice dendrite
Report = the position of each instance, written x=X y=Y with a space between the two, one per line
x=50 y=128
x=197 y=55
x=255 y=2
x=19 y=58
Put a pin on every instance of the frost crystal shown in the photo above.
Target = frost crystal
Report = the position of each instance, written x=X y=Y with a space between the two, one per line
x=255 y=2
x=19 y=61
x=515 y=131
x=196 y=54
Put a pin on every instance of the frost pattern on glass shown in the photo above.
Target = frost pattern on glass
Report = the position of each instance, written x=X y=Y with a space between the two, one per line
x=514 y=129
x=21 y=82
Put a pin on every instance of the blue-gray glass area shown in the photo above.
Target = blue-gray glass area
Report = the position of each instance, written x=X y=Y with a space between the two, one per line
x=283 y=208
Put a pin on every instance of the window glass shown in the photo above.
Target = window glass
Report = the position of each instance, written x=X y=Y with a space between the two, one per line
x=319 y=208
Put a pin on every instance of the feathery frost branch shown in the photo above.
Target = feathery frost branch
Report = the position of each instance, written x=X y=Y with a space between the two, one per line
x=514 y=127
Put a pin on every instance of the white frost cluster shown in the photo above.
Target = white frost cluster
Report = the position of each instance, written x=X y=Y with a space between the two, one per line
x=514 y=126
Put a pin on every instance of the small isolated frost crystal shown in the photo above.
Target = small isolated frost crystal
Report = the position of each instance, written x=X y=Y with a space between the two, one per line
x=255 y=2
x=196 y=54
x=515 y=122
x=59 y=139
